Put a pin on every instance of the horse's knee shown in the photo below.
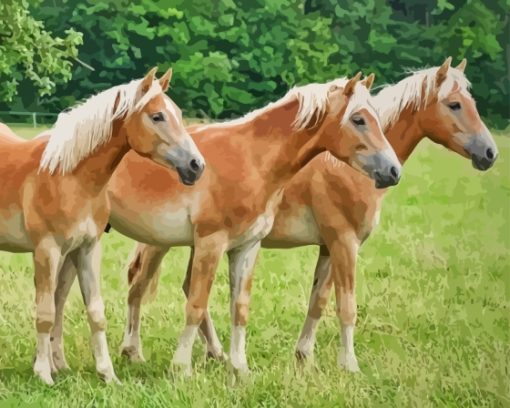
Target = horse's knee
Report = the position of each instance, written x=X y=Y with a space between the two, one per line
x=96 y=316
x=44 y=322
x=194 y=314
x=347 y=315
x=241 y=313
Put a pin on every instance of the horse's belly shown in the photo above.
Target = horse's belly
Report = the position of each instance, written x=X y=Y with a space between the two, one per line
x=13 y=236
x=294 y=227
x=162 y=227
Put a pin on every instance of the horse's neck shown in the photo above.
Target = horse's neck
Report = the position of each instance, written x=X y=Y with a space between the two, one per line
x=284 y=150
x=95 y=171
x=405 y=134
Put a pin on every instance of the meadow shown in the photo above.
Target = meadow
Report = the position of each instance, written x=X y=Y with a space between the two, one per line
x=433 y=326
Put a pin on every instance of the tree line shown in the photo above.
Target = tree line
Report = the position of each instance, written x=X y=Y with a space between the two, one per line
x=230 y=56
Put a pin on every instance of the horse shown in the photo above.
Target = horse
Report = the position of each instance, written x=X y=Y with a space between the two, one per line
x=333 y=206
x=233 y=205
x=54 y=200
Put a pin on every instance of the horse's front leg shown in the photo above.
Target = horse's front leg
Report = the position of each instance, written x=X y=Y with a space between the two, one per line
x=321 y=289
x=241 y=263
x=65 y=280
x=47 y=262
x=207 y=254
x=207 y=329
x=343 y=270
x=89 y=262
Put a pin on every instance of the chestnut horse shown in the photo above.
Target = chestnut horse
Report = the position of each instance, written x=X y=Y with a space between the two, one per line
x=233 y=206
x=54 y=201
x=331 y=205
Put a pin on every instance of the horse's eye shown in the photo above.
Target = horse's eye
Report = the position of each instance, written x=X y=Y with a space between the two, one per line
x=454 y=106
x=358 y=121
x=158 y=117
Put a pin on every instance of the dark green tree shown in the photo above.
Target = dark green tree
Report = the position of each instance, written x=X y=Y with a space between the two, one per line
x=28 y=51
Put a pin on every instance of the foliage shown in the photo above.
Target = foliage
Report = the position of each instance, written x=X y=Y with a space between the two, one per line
x=28 y=50
x=433 y=291
x=232 y=56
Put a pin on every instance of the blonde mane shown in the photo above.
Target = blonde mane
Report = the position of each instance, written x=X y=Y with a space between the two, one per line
x=313 y=104
x=415 y=92
x=80 y=131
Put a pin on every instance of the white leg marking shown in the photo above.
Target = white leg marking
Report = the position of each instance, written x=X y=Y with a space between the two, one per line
x=43 y=365
x=347 y=359
x=238 y=349
x=241 y=264
x=182 y=356
x=104 y=364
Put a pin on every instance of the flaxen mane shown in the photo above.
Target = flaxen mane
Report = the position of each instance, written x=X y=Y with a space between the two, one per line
x=415 y=91
x=84 y=128
x=313 y=104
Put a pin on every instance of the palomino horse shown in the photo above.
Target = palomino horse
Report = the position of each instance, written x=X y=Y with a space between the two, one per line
x=54 y=201
x=331 y=205
x=233 y=205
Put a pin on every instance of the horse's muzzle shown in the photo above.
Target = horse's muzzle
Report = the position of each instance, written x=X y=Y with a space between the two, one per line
x=483 y=151
x=191 y=173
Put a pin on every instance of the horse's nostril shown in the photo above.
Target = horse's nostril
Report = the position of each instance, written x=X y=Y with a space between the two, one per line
x=490 y=153
x=194 y=165
x=394 y=171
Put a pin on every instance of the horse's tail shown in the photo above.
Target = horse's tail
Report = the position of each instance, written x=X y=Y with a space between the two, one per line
x=139 y=269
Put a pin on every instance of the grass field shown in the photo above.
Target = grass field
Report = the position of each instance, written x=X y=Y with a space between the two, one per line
x=433 y=328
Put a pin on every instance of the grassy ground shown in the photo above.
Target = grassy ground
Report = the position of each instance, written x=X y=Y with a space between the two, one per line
x=434 y=320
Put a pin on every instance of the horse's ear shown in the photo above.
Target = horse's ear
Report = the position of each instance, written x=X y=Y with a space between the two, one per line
x=443 y=71
x=369 y=81
x=462 y=66
x=349 y=87
x=147 y=81
x=164 y=81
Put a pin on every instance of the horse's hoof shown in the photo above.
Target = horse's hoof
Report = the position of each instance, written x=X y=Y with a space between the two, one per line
x=181 y=370
x=348 y=362
x=45 y=376
x=304 y=357
x=134 y=355
x=60 y=364
x=109 y=377
x=217 y=356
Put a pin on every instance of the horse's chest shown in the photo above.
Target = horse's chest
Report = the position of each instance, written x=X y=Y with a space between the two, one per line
x=262 y=223
x=83 y=233
x=370 y=221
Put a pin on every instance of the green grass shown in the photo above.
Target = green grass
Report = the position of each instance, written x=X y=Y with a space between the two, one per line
x=433 y=328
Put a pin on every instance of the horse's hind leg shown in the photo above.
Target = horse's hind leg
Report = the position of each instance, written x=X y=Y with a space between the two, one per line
x=241 y=263
x=321 y=289
x=89 y=260
x=207 y=329
x=65 y=280
x=143 y=273
x=47 y=261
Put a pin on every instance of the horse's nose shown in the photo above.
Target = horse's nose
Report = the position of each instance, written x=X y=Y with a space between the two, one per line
x=490 y=153
x=387 y=177
x=195 y=165
x=395 y=173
